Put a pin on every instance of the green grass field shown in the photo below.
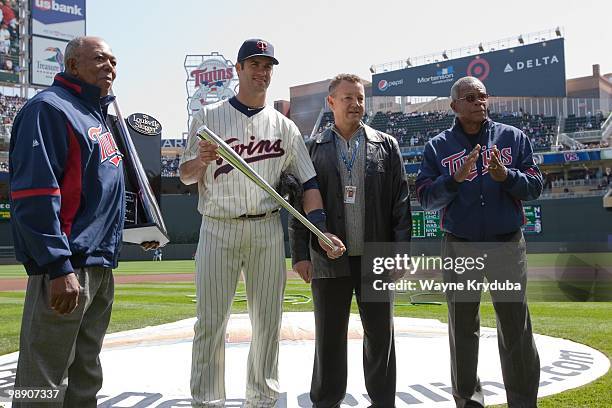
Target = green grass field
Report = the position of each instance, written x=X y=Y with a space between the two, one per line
x=139 y=305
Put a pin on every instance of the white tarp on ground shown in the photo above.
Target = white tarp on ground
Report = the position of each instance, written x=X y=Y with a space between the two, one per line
x=150 y=367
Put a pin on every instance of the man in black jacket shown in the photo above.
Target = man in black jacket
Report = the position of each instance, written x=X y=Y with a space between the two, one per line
x=361 y=178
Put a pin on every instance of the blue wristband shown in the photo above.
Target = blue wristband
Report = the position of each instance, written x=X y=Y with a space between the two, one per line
x=318 y=218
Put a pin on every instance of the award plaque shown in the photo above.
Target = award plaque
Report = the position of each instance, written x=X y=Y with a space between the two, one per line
x=143 y=217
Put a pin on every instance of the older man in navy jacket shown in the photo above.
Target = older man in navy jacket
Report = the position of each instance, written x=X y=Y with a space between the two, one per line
x=478 y=173
x=67 y=210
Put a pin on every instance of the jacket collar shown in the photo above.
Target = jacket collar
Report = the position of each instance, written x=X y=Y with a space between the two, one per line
x=485 y=125
x=83 y=90
x=371 y=134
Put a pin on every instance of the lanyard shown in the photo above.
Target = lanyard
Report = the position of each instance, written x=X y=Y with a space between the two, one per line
x=349 y=165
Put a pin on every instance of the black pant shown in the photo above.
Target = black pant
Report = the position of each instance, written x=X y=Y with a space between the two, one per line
x=332 y=304
x=517 y=350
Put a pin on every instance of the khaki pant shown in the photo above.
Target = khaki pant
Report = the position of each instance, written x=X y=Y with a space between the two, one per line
x=62 y=351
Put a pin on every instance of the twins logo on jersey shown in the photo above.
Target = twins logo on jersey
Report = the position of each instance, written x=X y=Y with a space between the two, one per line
x=255 y=151
x=455 y=161
x=108 y=148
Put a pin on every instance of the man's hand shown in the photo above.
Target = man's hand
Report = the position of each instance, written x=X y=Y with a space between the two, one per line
x=191 y=171
x=464 y=171
x=64 y=296
x=148 y=245
x=497 y=170
x=208 y=152
x=304 y=269
x=333 y=253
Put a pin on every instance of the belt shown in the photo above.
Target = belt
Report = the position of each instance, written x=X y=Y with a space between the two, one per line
x=251 y=216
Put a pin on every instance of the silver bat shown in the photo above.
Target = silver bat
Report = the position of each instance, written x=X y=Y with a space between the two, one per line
x=237 y=162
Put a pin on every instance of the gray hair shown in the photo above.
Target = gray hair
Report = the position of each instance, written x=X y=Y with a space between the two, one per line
x=461 y=83
x=72 y=49
x=342 y=77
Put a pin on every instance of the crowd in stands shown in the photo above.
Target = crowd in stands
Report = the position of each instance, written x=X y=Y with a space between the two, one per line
x=9 y=106
x=412 y=129
x=591 y=178
x=589 y=122
x=539 y=128
x=414 y=159
x=9 y=35
x=597 y=145
x=415 y=129
x=169 y=166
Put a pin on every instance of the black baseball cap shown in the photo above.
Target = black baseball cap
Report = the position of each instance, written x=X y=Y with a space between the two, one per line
x=256 y=47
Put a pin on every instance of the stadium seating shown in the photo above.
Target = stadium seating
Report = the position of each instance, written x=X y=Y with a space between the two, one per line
x=413 y=130
x=575 y=123
x=416 y=129
x=9 y=106
x=169 y=166
x=539 y=128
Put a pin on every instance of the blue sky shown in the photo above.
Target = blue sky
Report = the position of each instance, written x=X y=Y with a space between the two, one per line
x=316 y=39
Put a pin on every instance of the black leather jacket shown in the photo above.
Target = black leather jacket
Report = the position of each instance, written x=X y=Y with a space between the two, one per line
x=387 y=205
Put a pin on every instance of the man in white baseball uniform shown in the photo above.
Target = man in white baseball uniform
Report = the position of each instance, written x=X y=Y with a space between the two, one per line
x=241 y=228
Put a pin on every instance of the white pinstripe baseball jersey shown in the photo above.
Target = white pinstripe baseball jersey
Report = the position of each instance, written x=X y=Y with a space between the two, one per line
x=268 y=141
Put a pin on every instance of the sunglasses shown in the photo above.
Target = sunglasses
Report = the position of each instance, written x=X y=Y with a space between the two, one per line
x=471 y=98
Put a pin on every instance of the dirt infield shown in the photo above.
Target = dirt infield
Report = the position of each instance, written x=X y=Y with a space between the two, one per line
x=21 y=283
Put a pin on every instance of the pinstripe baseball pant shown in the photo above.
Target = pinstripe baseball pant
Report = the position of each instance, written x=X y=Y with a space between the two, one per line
x=227 y=247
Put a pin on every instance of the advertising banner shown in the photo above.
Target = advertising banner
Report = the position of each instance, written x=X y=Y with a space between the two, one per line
x=529 y=70
x=47 y=60
x=61 y=19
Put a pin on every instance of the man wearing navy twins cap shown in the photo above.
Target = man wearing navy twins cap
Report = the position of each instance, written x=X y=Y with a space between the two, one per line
x=241 y=229
x=255 y=47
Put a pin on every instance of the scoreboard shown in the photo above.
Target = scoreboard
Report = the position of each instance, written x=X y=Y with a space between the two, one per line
x=533 y=219
x=5 y=209
x=426 y=224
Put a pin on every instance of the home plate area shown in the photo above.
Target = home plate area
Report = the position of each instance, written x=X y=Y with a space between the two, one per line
x=150 y=367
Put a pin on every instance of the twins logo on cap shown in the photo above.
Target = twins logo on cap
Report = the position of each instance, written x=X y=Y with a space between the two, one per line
x=256 y=47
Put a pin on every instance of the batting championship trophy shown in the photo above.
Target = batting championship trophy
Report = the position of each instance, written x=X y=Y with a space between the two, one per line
x=143 y=217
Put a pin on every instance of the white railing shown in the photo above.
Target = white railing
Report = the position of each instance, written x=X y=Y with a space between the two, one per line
x=568 y=141
x=571 y=194
x=606 y=128
x=594 y=182
x=585 y=134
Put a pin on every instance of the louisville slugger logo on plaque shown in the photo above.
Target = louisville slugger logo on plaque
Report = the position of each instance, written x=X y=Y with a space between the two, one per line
x=144 y=124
